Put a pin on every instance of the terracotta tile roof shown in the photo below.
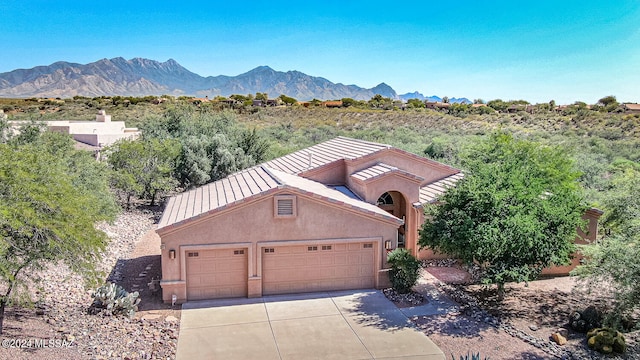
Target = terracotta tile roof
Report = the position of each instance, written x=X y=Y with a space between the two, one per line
x=379 y=170
x=324 y=153
x=252 y=183
x=630 y=106
x=430 y=192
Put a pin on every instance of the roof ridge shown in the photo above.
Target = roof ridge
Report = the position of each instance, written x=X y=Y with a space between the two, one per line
x=361 y=141
x=269 y=172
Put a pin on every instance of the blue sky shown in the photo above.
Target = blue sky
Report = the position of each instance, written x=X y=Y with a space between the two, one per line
x=537 y=51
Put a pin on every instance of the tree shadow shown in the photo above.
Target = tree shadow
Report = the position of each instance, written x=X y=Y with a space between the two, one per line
x=550 y=308
x=141 y=274
x=372 y=308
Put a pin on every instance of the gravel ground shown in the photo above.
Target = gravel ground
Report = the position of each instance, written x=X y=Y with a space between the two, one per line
x=518 y=327
x=132 y=260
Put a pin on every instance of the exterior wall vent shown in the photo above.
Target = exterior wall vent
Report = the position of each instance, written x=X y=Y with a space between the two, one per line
x=285 y=206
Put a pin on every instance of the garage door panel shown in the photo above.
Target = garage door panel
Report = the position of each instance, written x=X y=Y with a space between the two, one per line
x=297 y=268
x=218 y=273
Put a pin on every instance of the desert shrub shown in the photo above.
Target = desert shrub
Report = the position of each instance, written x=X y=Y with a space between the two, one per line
x=405 y=270
x=112 y=299
x=606 y=341
x=583 y=321
x=469 y=356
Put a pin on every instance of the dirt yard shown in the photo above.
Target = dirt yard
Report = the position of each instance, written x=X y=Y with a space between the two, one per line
x=519 y=327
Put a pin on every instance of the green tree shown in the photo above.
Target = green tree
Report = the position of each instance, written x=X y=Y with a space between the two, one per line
x=205 y=159
x=380 y=102
x=608 y=104
x=415 y=103
x=612 y=262
x=143 y=168
x=348 y=102
x=287 y=100
x=515 y=213
x=262 y=96
x=498 y=105
x=41 y=223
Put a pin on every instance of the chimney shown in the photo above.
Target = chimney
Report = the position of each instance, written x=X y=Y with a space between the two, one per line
x=103 y=117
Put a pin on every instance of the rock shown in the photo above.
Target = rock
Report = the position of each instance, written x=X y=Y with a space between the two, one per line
x=562 y=331
x=533 y=327
x=171 y=319
x=559 y=339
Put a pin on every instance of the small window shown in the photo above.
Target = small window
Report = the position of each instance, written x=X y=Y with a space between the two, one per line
x=269 y=250
x=385 y=199
x=192 y=254
x=312 y=248
x=367 y=246
x=238 y=252
x=284 y=206
x=326 y=247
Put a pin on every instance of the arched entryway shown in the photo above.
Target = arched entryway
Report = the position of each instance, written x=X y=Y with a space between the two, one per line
x=395 y=203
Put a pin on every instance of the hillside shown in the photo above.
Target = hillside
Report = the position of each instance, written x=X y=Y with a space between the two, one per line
x=140 y=77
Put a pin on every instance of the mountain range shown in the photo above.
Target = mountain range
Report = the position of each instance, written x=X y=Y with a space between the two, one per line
x=140 y=77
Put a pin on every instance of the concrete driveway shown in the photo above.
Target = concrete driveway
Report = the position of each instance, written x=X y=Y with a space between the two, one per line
x=359 y=324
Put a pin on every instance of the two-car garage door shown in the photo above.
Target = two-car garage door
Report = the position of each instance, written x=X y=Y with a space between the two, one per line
x=222 y=273
x=317 y=267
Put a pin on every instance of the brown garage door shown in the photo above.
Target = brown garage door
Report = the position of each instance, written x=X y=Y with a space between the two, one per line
x=308 y=268
x=213 y=274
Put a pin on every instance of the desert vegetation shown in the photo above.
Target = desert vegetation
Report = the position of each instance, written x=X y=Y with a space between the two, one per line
x=187 y=143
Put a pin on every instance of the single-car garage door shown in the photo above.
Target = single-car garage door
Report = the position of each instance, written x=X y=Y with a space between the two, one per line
x=219 y=273
x=308 y=268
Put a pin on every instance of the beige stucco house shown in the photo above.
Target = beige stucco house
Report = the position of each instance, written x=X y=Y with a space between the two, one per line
x=322 y=218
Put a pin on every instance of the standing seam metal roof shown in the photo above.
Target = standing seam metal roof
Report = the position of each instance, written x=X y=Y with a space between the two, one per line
x=250 y=183
x=430 y=192
x=379 y=170
x=262 y=179
x=324 y=153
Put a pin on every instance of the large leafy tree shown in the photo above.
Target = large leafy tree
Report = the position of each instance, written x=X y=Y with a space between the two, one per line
x=612 y=262
x=143 y=168
x=211 y=145
x=50 y=198
x=515 y=213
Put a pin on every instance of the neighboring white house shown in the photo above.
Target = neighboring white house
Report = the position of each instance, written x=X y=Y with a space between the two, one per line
x=101 y=132
x=98 y=133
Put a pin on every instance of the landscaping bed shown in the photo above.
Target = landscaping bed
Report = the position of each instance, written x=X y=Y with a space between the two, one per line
x=521 y=326
x=132 y=260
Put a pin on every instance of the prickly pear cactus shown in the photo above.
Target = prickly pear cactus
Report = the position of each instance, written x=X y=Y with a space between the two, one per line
x=606 y=340
x=112 y=299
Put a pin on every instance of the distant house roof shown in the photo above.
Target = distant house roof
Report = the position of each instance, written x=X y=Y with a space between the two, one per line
x=632 y=107
x=251 y=184
x=325 y=153
x=436 y=105
x=337 y=103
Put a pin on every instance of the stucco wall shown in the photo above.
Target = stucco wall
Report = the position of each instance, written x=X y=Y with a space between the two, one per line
x=413 y=164
x=254 y=222
x=330 y=174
